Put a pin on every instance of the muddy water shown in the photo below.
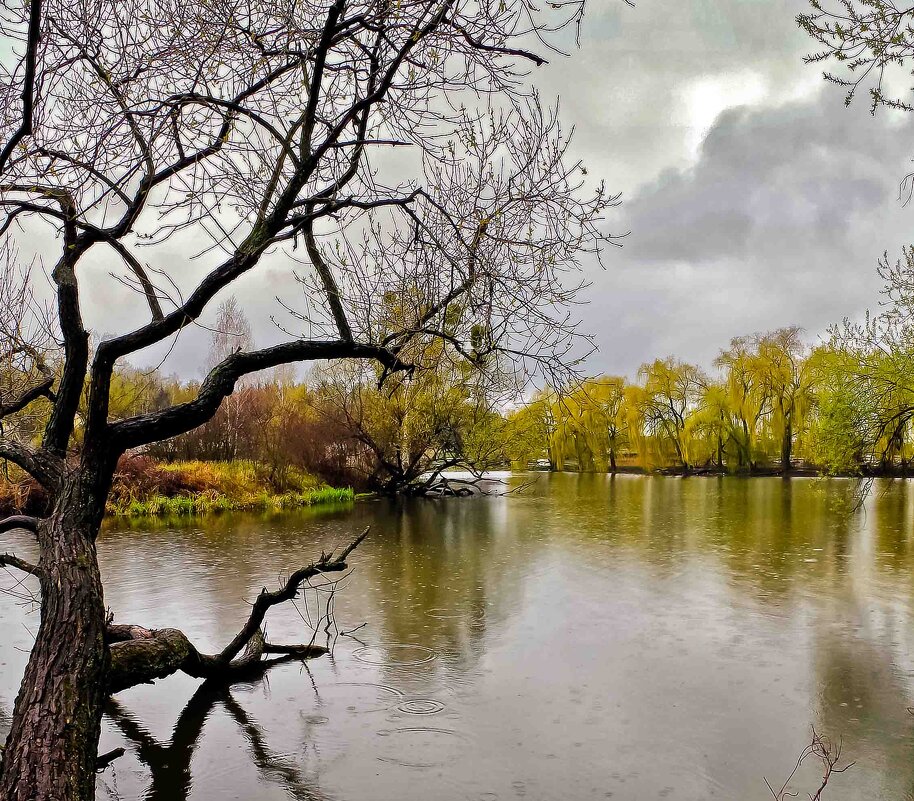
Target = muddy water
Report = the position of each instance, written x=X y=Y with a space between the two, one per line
x=628 y=638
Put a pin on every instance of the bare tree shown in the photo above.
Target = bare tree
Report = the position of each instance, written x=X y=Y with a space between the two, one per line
x=231 y=131
x=232 y=334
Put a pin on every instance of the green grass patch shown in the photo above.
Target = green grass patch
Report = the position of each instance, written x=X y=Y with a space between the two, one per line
x=209 y=503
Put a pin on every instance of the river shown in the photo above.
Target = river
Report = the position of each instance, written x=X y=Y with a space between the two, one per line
x=591 y=637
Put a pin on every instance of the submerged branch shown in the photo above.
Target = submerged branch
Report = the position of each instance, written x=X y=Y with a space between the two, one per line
x=140 y=655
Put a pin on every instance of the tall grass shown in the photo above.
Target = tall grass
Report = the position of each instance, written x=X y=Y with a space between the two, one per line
x=144 y=487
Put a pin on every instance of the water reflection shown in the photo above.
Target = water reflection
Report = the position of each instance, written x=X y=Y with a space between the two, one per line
x=169 y=764
x=597 y=636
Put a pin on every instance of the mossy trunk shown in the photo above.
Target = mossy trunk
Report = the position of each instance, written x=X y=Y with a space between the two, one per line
x=52 y=746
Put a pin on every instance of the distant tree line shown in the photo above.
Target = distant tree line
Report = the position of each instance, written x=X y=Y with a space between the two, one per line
x=777 y=403
x=339 y=424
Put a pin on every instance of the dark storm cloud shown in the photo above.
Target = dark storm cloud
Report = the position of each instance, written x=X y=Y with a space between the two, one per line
x=779 y=221
x=803 y=173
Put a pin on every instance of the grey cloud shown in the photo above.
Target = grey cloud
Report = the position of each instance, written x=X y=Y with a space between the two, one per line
x=780 y=221
x=627 y=87
x=802 y=173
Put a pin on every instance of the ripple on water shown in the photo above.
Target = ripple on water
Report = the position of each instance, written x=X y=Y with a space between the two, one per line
x=426 y=747
x=395 y=655
x=376 y=704
x=421 y=706
x=444 y=614
x=451 y=614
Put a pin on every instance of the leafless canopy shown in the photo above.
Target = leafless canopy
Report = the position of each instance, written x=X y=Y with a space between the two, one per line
x=194 y=143
x=237 y=130
x=866 y=41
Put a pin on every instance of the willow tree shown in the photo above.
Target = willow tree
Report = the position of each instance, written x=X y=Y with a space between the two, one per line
x=864 y=377
x=189 y=144
x=787 y=383
x=608 y=417
x=747 y=399
x=590 y=417
x=673 y=391
x=530 y=431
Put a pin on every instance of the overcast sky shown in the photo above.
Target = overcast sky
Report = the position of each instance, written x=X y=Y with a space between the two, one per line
x=754 y=198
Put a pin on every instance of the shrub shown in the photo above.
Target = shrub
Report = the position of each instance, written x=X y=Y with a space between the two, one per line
x=143 y=487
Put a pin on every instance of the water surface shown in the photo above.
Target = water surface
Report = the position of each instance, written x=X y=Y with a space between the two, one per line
x=596 y=637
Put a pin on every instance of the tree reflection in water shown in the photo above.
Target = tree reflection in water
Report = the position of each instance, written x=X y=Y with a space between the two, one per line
x=170 y=764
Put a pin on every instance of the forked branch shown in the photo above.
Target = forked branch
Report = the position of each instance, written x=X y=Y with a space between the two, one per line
x=9 y=560
x=140 y=655
x=328 y=563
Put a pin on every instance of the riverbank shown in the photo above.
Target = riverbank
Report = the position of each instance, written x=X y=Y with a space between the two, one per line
x=209 y=503
x=145 y=487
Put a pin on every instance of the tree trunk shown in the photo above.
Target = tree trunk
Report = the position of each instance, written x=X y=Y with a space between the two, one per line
x=680 y=453
x=786 y=448
x=748 y=445
x=51 y=749
x=612 y=460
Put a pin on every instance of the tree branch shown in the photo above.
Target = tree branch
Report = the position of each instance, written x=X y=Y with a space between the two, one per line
x=44 y=467
x=503 y=51
x=42 y=390
x=221 y=380
x=28 y=85
x=152 y=297
x=76 y=343
x=326 y=564
x=140 y=655
x=9 y=560
x=102 y=761
x=19 y=521
x=331 y=288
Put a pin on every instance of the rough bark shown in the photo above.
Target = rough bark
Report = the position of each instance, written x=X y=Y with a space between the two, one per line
x=151 y=655
x=51 y=749
x=154 y=654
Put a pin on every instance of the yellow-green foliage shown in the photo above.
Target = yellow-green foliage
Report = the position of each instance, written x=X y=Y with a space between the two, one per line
x=772 y=402
x=239 y=478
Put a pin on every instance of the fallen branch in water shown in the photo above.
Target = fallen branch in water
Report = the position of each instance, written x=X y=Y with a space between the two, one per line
x=140 y=655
